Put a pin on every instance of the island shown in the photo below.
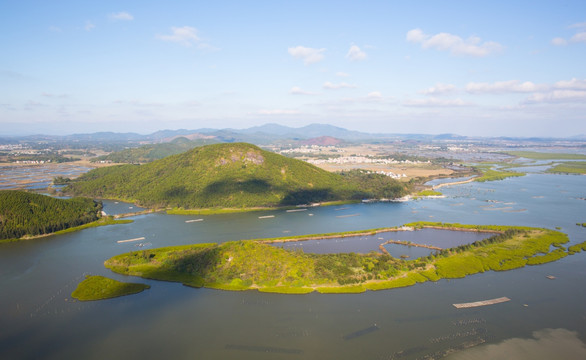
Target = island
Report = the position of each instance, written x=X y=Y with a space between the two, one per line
x=100 y=288
x=231 y=176
x=258 y=265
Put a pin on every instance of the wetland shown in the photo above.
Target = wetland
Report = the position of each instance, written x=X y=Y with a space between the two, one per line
x=416 y=322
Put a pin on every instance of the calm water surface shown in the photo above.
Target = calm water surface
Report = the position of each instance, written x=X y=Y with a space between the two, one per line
x=39 y=320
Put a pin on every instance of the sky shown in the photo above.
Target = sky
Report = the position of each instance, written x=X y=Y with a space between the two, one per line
x=491 y=68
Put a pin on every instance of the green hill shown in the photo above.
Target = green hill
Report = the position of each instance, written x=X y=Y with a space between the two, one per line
x=148 y=153
x=237 y=175
x=23 y=213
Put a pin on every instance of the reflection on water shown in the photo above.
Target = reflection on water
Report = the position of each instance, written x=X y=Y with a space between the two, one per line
x=39 y=318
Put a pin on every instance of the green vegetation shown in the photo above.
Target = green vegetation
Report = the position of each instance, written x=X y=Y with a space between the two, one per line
x=546 y=156
x=489 y=174
x=29 y=214
x=60 y=180
x=99 y=288
x=570 y=167
x=108 y=220
x=577 y=248
x=230 y=176
x=253 y=264
x=424 y=193
x=148 y=153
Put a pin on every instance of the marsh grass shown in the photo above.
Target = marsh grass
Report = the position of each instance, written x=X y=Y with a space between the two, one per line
x=253 y=264
x=99 y=288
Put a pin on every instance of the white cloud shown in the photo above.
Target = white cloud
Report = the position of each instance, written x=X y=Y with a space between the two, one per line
x=501 y=87
x=573 y=84
x=558 y=96
x=296 y=90
x=331 y=86
x=355 y=54
x=342 y=74
x=472 y=46
x=439 y=89
x=89 y=26
x=579 y=37
x=435 y=102
x=124 y=16
x=578 y=25
x=309 y=55
x=186 y=36
x=558 y=41
x=278 y=112
x=375 y=95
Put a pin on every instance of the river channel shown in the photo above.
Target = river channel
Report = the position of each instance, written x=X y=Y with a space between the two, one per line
x=40 y=320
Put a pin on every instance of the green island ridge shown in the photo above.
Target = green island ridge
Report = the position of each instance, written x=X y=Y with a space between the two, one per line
x=255 y=264
x=100 y=288
x=546 y=156
x=24 y=215
x=570 y=167
x=490 y=174
x=231 y=176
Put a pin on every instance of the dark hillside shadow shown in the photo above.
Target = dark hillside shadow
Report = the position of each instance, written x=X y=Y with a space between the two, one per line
x=307 y=196
x=223 y=187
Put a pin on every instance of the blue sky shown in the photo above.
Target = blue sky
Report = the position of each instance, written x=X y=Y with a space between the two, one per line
x=500 y=68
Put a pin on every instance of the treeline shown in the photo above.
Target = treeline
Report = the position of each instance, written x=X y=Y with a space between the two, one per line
x=235 y=175
x=29 y=214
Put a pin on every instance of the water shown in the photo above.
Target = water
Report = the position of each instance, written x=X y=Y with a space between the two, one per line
x=40 y=320
x=36 y=177
x=363 y=244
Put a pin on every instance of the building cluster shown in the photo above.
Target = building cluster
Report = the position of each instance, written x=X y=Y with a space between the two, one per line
x=363 y=160
x=33 y=161
x=308 y=149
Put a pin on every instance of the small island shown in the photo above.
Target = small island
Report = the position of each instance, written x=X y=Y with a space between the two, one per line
x=100 y=288
x=256 y=264
x=25 y=215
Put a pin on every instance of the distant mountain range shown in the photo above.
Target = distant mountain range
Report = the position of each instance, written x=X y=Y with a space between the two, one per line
x=261 y=135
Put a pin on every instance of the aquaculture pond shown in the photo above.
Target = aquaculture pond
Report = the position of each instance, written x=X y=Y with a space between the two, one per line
x=545 y=314
x=434 y=238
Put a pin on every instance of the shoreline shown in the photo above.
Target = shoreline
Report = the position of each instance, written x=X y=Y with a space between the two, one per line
x=97 y=223
x=531 y=247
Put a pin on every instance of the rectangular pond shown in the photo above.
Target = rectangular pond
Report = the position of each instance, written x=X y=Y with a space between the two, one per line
x=366 y=243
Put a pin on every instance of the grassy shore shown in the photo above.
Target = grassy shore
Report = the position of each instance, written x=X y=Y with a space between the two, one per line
x=546 y=156
x=255 y=265
x=107 y=220
x=214 y=211
x=489 y=174
x=99 y=288
x=570 y=167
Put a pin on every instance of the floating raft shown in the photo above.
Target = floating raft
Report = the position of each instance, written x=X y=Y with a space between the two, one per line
x=266 y=217
x=194 y=220
x=482 y=303
x=345 y=216
x=362 y=332
x=129 y=240
x=296 y=210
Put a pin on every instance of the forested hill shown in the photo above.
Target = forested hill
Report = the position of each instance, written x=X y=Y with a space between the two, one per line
x=23 y=213
x=232 y=175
